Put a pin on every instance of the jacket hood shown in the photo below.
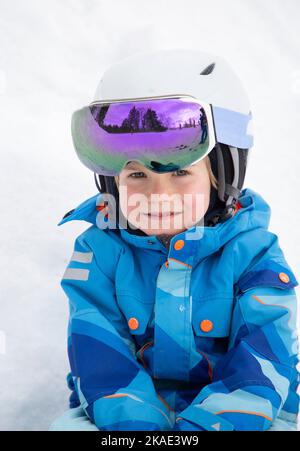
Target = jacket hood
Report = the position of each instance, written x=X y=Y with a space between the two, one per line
x=254 y=213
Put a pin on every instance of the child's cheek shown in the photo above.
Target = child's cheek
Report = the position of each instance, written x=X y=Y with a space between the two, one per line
x=195 y=209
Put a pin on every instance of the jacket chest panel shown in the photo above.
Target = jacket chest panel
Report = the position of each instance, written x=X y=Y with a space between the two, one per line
x=170 y=325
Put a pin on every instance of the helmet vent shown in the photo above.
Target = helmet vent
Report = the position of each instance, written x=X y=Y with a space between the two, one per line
x=208 y=70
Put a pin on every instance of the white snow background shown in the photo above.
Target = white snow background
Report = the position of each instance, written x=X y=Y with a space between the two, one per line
x=52 y=56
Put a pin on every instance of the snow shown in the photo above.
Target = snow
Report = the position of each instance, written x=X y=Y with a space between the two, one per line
x=52 y=56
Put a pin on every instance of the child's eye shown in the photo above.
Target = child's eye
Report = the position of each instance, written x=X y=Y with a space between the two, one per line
x=182 y=171
x=136 y=175
x=133 y=175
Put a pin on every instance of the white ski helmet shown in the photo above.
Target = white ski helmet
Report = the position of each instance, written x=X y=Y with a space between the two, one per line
x=188 y=72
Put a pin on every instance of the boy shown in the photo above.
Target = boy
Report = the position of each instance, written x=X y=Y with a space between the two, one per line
x=184 y=318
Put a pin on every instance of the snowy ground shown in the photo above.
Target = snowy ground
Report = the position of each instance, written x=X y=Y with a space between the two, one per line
x=52 y=56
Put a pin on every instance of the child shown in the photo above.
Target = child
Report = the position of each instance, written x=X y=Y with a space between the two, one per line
x=189 y=326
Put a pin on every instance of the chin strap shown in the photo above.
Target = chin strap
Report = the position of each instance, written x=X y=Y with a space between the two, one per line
x=227 y=213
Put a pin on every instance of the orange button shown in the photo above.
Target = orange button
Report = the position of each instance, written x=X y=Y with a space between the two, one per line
x=206 y=325
x=133 y=323
x=284 y=277
x=178 y=245
x=167 y=264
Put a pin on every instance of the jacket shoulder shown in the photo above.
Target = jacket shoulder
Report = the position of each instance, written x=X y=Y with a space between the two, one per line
x=105 y=246
x=258 y=260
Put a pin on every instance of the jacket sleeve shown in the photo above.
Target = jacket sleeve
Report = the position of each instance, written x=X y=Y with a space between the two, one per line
x=258 y=375
x=107 y=381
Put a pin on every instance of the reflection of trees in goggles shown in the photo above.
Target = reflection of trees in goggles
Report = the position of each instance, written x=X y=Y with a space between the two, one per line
x=147 y=118
x=164 y=134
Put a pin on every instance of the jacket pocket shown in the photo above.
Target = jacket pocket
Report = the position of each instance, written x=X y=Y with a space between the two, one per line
x=212 y=317
x=136 y=312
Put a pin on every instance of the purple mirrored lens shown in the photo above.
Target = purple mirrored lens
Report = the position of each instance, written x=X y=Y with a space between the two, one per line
x=163 y=134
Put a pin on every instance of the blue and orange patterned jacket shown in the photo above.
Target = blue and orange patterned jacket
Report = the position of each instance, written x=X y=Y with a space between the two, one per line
x=202 y=336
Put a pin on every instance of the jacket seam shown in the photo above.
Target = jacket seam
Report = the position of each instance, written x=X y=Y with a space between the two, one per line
x=127 y=293
x=248 y=382
x=146 y=404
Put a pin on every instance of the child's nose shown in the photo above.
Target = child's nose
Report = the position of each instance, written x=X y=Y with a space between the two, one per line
x=160 y=186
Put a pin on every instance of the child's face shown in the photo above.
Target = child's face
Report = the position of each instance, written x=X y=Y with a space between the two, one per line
x=182 y=197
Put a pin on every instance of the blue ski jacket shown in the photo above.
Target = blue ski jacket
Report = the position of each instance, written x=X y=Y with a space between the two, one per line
x=202 y=336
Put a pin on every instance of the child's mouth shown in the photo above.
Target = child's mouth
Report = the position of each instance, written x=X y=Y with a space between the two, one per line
x=162 y=214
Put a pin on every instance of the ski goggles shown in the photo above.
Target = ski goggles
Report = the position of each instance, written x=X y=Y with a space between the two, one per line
x=165 y=133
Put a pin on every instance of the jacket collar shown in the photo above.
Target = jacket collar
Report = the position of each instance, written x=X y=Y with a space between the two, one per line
x=199 y=241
